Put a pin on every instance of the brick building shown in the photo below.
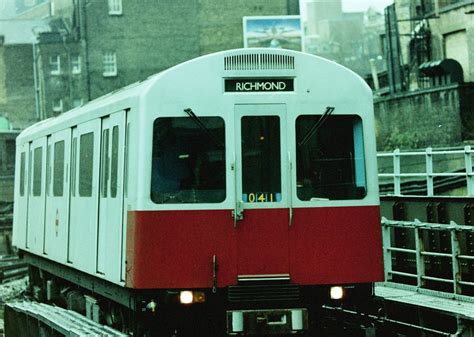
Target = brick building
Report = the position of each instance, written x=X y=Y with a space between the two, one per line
x=159 y=35
x=17 y=81
x=93 y=47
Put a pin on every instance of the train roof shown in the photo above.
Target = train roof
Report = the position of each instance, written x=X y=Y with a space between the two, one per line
x=237 y=62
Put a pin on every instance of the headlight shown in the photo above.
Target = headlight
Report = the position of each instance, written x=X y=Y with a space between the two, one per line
x=189 y=297
x=186 y=297
x=336 y=293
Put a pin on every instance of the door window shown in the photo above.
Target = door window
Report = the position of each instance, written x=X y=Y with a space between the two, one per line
x=86 y=164
x=38 y=169
x=58 y=174
x=261 y=159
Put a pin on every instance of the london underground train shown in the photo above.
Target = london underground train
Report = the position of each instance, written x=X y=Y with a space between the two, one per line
x=235 y=194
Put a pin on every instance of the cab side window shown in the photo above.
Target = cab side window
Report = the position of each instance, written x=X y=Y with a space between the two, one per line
x=188 y=160
x=330 y=160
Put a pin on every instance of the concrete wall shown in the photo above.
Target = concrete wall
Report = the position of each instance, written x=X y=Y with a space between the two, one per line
x=434 y=117
x=466 y=106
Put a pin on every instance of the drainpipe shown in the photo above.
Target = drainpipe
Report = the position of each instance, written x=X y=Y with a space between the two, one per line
x=375 y=77
x=35 y=78
x=69 y=69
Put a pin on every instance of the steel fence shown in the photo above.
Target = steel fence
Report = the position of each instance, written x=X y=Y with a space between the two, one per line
x=430 y=177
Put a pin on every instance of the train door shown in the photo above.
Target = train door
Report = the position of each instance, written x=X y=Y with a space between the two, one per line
x=109 y=247
x=57 y=195
x=82 y=235
x=262 y=203
x=21 y=196
x=37 y=178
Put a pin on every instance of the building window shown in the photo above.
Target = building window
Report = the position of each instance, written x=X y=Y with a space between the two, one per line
x=55 y=64
x=77 y=102
x=75 y=64
x=58 y=106
x=115 y=7
x=109 y=62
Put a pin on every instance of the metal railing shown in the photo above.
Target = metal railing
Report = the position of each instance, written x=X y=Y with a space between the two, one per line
x=430 y=177
x=446 y=270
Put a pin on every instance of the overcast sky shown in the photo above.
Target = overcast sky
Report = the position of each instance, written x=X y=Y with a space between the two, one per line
x=362 y=5
x=356 y=5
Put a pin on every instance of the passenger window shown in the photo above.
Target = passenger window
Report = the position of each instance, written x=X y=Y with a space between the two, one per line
x=73 y=166
x=48 y=170
x=38 y=171
x=114 y=163
x=105 y=162
x=22 y=173
x=188 y=163
x=58 y=174
x=30 y=173
x=330 y=158
x=86 y=164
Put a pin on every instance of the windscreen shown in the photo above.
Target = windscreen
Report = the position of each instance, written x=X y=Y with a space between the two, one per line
x=330 y=158
x=188 y=164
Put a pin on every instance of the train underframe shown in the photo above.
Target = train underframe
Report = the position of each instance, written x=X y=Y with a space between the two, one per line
x=273 y=307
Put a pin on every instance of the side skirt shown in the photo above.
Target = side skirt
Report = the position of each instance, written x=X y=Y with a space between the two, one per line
x=121 y=295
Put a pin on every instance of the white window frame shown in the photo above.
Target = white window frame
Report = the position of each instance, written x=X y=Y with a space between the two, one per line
x=76 y=64
x=55 y=64
x=115 y=7
x=58 y=105
x=109 y=63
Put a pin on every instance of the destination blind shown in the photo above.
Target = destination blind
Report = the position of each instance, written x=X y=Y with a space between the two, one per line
x=259 y=85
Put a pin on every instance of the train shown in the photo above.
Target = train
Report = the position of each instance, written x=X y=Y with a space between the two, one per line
x=235 y=193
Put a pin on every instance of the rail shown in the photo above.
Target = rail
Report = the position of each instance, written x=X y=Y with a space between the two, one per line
x=425 y=177
x=415 y=258
x=12 y=268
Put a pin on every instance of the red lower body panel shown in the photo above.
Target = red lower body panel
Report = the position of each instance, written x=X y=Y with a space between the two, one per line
x=175 y=249
x=336 y=245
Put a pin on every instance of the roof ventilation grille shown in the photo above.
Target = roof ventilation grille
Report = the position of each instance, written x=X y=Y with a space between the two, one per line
x=259 y=62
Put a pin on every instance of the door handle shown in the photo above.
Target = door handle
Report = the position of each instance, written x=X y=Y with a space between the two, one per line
x=238 y=212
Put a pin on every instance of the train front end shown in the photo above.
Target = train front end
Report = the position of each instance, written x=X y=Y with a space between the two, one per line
x=253 y=190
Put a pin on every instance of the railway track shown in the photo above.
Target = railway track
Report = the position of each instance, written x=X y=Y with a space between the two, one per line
x=12 y=268
x=27 y=318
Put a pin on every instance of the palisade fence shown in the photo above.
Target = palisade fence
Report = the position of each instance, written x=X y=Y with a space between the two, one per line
x=436 y=259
